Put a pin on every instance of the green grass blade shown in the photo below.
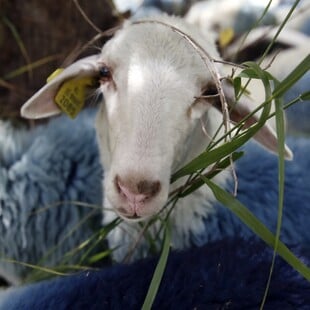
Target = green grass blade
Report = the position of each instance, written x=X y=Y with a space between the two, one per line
x=18 y=40
x=98 y=238
x=31 y=66
x=280 y=126
x=35 y=267
x=257 y=227
x=223 y=164
x=293 y=77
x=209 y=157
x=159 y=271
x=99 y=256
x=302 y=97
x=253 y=26
x=305 y=96
x=275 y=37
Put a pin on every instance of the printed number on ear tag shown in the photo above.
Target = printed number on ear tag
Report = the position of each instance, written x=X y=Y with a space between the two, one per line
x=71 y=95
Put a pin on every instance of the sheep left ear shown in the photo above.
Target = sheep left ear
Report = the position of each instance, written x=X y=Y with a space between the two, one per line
x=266 y=136
x=42 y=103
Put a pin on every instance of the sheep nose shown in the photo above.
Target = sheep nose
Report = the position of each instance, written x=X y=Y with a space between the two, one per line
x=136 y=194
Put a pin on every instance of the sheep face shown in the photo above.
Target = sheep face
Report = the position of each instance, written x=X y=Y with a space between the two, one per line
x=150 y=121
x=148 y=115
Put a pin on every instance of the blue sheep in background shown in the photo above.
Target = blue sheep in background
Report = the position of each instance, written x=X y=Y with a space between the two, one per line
x=240 y=16
x=41 y=171
x=228 y=274
x=298 y=114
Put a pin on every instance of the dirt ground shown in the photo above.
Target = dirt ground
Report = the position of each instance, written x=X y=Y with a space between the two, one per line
x=36 y=37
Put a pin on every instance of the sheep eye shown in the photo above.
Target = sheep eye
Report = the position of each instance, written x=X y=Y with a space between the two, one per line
x=104 y=74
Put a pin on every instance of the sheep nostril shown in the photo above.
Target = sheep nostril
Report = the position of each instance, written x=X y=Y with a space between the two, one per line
x=148 y=188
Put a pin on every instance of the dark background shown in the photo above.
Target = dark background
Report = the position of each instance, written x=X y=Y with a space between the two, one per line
x=48 y=32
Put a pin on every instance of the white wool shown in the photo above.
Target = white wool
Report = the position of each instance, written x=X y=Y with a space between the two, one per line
x=159 y=140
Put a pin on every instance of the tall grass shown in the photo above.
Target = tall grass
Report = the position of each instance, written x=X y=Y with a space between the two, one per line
x=220 y=155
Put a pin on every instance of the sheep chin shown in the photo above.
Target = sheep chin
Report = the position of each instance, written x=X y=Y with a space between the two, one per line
x=134 y=219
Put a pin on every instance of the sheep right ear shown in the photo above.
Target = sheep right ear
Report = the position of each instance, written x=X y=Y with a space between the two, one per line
x=42 y=103
x=266 y=136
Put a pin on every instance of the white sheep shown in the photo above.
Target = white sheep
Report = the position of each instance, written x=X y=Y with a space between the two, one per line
x=149 y=124
x=241 y=15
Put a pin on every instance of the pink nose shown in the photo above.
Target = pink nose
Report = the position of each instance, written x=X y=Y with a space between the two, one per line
x=135 y=194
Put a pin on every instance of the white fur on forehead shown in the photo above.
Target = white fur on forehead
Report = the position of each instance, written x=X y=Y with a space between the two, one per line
x=157 y=41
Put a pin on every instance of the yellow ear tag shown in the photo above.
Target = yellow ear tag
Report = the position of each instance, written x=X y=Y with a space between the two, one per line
x=70 y=97
x=226 y=36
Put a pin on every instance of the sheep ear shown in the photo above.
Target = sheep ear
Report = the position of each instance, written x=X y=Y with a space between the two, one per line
x=266 y=136
x=42 y=103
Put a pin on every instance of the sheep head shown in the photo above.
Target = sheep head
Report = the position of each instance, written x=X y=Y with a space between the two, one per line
x=149 y=123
